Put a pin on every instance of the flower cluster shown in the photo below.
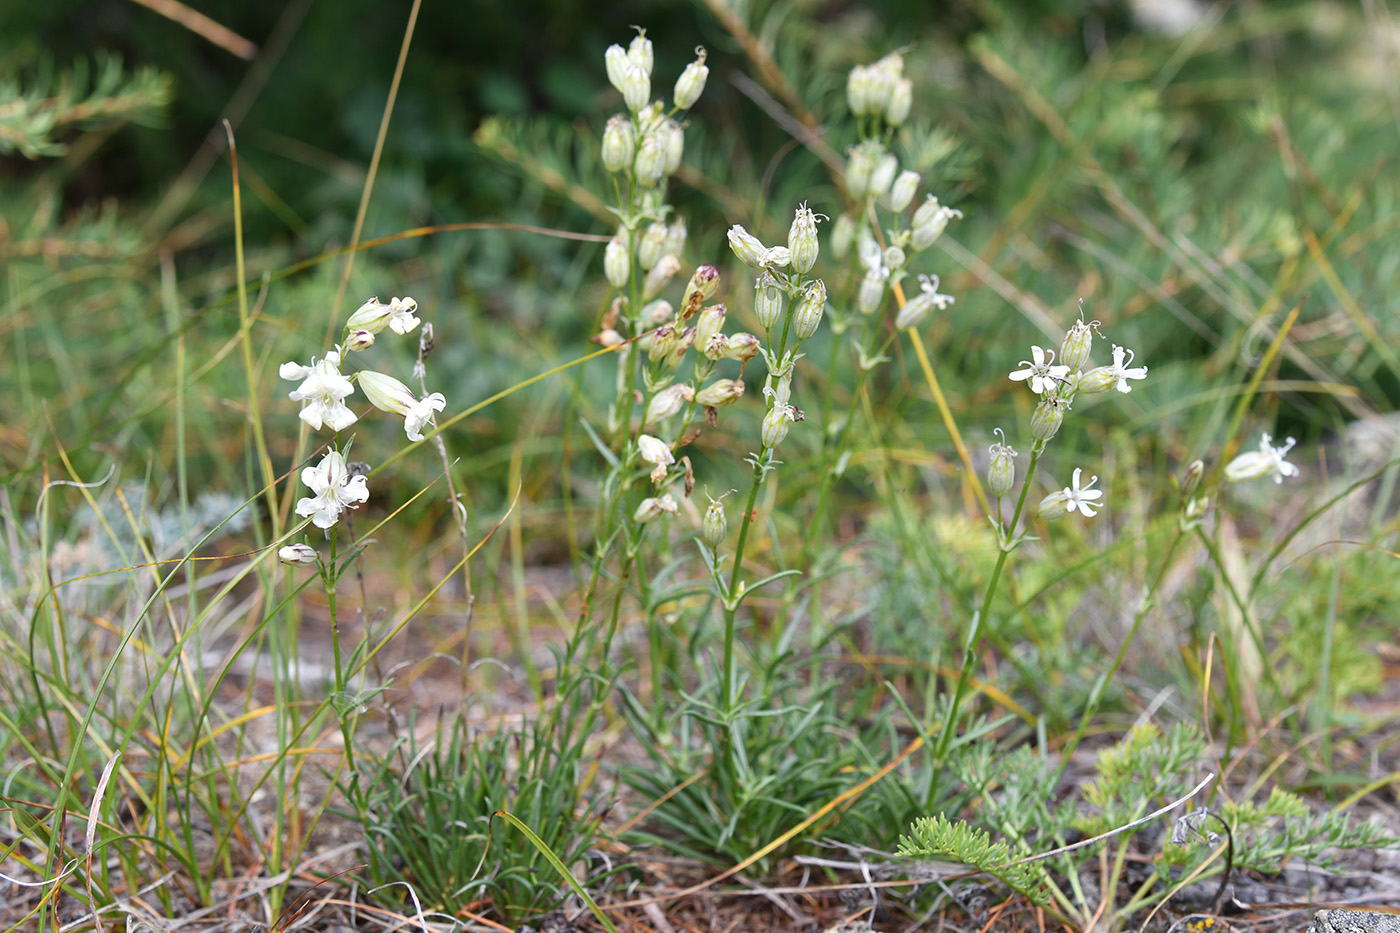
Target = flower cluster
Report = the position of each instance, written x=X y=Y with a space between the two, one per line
x=323 y=389
x=1058 y=379
x=879 y=96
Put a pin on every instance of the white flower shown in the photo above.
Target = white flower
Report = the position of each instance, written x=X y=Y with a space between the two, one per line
x=1041 y=373
x=334 y=490
x=1267 y=459
x=322 y=392
x=421 y=414
x=1073 y=498
x=916 y=308
x=653 y=508
x=1120 y=369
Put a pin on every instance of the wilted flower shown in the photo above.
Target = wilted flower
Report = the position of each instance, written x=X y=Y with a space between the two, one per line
x=807 y=316
x=1048 y=416
x=747 y=247
x=297 y=554
x=1267 y=459
x=667 y=402
x=655 y=451
x=1001 y=472
x=767 y=300
x=333 y=490
x=720 y=393
x=1042 y=373
x=1076 y=345
x=653 y=508
x=741 y=346
x=322 y=392
x=713 y=527
x=1073 y=498
x=691 y=83
x=703 y=284
x=802 y=240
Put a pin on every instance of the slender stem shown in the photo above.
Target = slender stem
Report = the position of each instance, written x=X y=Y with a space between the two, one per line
x=974 y=631
x=731 y=603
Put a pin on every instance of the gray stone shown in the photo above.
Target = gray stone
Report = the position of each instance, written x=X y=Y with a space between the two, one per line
x=1354 y=921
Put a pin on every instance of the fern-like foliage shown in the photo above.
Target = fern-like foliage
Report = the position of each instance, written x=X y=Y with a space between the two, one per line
x=939 y=837
x=1284 y=826
x=89 y=95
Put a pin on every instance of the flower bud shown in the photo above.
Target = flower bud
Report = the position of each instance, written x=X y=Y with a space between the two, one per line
x=842 y=235
x=859 y=84
x=650 y=164
x=636 y=88
x=747 y=247
x=653 y=508
x=807 y=316
x=672 y=145
x=901 y=99
x=741 y=347
x=683 y=343
x=667 y=402
x=708 y=324
x=359 y=340
x=659 y=275
x=802 y=240
x=1001 y=472
x=619 y=143
x=858 y=168
x=767 y=301
x=776 y=423
x=427 y=340
x=305 y=554
x=691 y=83
x=703 y=284
x=1047 y=417
x=713 y=527
x=385 y=392
x=893 y=258
x=640 y=53
x=1074 y=349
x=929 y=221
x=675 y=237
x=656 y=313
x=1191 y=478
x=1097 y=380
x=663 y=341
x=1053 y=505
x=720 y=393
x=616 y=63
x=653 y=245
x=872 y=290
x=617 y=265
x=885 y=74
x=882 y=175
x=903 y=190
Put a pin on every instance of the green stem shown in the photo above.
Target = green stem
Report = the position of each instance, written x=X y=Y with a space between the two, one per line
x=731 y=602
x=974 y=632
